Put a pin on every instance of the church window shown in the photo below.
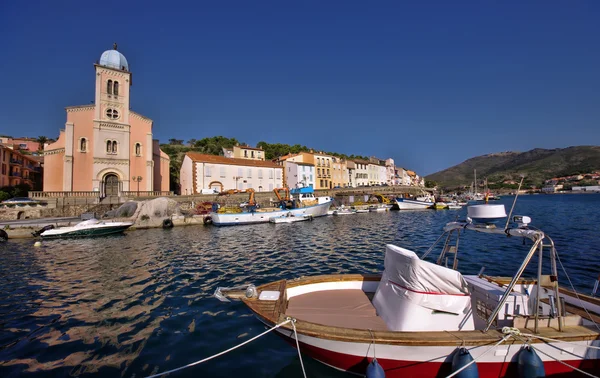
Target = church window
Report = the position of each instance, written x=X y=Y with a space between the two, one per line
x=138 y=149
x=83 y=145
x=108 y=146
x=112 y=113
x=114 y=146
x=116 y=88
x=109 y=87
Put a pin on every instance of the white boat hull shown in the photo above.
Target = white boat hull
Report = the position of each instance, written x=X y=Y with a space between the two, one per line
x=408 y=204
x=226 y=219
x=290 y=219
x=98 y=229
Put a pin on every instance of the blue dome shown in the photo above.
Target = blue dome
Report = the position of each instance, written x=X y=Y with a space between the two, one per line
x=114 y=59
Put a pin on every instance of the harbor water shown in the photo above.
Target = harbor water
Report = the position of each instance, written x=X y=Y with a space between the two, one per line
x=141 y=303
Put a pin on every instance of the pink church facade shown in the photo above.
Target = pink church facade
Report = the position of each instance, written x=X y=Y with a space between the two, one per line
x=105 y=147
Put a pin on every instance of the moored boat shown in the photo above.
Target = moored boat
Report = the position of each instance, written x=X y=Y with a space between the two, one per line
x=417 y=316
x=90 y=227
x=418 y=203
x=305 y=205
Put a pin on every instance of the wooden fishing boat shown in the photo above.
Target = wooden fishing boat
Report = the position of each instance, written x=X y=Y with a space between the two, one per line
x=422 y=319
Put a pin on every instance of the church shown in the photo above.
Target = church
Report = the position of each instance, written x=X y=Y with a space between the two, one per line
x=105 y=147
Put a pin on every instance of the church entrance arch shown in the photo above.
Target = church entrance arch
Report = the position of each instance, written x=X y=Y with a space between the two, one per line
x=111 y=185
x=216 y=185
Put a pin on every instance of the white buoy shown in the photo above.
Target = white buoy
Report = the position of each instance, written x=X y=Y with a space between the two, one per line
x=37 y=244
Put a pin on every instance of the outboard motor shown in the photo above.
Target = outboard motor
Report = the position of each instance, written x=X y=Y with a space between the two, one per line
x=3 y=235
x=45 y=228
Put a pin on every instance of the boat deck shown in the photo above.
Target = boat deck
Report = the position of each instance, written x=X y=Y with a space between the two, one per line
x=337 y=308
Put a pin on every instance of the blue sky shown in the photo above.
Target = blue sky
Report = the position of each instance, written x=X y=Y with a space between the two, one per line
x=427 y=83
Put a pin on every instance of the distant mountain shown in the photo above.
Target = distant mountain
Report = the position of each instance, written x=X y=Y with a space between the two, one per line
x=536 y=166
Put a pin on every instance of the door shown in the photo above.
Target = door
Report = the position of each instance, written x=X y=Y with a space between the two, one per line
x=111 y=185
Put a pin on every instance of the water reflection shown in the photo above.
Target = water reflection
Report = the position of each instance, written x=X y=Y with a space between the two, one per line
x=141 y=303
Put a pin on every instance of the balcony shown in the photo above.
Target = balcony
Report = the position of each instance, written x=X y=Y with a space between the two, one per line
x=16 y=162
x=15 y=174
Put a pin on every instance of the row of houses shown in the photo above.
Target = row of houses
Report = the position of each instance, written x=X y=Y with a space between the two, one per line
x=18 y=167
x=557 y=184
x=244 y=167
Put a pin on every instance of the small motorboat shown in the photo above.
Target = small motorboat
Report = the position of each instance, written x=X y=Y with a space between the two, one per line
x=344 y=211
x=90 y=227
x=454 y=206
x=290 y=218
x=379 y=208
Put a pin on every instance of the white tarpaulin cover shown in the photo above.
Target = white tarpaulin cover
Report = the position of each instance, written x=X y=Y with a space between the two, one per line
x=411 y=288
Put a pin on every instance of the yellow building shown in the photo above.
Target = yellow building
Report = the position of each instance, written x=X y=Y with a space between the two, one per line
x=244 y=152
x=324 y=166
x=340 y=173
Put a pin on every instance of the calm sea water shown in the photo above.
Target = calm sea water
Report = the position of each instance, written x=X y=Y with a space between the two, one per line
x=134 y=305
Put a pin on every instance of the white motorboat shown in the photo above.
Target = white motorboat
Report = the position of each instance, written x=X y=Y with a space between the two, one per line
x=379 y=208
x=290 y=218
x=90 y=227
x=344 y=211
x=420 y=319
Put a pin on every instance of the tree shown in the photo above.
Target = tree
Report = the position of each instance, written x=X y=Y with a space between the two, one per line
x=192 y=142
x=176 y=142
x=430 y=184
x=41 y=140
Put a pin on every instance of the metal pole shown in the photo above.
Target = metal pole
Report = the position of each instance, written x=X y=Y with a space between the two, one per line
x=512 y=284
x=555 y=283
x=539 y=289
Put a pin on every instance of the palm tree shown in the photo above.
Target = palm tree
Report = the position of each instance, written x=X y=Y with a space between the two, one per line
x=41 y=140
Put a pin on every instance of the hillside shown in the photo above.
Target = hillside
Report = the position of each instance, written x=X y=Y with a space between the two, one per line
x=535 y=165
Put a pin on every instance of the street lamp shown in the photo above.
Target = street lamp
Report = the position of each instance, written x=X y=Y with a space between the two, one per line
x=236 y=178
x=138 y=179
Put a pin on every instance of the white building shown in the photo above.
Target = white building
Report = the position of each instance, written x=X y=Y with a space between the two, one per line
x=361 y=173
x=200 y=171
x=382 y=174
x=390 y=172
x=299 y=174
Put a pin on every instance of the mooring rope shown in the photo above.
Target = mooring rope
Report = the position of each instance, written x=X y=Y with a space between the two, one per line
x=298 y=346
x=233 y=348
x=559 y=341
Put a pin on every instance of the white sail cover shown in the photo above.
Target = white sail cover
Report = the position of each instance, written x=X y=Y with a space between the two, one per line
x=415 y=294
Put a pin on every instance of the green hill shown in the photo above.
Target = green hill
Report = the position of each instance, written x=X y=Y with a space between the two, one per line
x=536 y=166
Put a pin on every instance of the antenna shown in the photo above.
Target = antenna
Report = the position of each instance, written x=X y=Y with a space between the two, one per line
x=514 y=203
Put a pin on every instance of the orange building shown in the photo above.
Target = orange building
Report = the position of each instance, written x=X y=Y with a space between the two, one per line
x=105 y=147
x=17 y=168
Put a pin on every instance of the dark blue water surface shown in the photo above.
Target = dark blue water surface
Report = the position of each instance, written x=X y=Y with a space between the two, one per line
x=134 y=305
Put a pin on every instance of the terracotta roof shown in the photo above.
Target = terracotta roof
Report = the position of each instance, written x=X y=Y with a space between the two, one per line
x=203 y=158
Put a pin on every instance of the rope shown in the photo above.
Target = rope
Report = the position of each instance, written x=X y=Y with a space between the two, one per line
x=298 y=346
x=556 y=359
x=575 y=291
x=559 y=341
x=508 y=336
x=229 y=350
